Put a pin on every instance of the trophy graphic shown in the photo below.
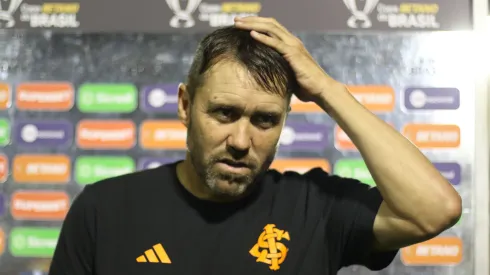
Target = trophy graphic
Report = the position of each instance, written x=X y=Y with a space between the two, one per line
x=183 y=17
x=6 y=14
x=360 y=15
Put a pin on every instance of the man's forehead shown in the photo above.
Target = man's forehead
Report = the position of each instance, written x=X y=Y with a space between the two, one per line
x=231 y=81
x=231 y=73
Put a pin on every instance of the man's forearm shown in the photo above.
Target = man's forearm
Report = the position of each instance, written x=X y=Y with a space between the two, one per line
x=410 y=185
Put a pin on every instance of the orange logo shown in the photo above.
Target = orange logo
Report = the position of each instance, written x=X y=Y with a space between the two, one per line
x=298 y=106
x=269 y=249
x=2 y=241
x=106 y=134
x=433 y=135
x=342 y=140
x=299 y=165
x=156 y=254
x=436 y=251
x=4 y=168
x=51 y=96
x=375 y=98
x=4 y=96
x=163 y=134
x=52 y=169
x=39 y=205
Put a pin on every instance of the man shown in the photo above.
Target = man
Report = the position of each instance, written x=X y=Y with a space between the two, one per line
x=221 y=211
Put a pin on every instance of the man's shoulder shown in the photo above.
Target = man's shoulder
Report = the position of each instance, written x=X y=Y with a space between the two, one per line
x=314 y=175
x=133 y=183
x=316 y=180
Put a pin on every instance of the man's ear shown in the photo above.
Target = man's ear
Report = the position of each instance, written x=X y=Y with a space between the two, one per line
x=184 y=104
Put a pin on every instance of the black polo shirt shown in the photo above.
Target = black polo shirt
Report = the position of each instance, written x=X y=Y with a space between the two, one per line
x=146 y=223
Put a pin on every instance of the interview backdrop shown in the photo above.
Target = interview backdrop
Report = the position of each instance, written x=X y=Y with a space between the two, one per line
x=79 y=108
x=76 y=108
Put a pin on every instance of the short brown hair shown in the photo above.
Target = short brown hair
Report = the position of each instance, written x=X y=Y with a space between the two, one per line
x=269 y=68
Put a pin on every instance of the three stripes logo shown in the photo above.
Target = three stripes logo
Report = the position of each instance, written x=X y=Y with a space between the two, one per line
x=156 y=254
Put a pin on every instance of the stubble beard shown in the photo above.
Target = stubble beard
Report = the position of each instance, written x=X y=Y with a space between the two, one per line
x=205 y=169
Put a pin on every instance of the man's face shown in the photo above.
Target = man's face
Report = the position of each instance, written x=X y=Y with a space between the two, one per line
x=233 y=129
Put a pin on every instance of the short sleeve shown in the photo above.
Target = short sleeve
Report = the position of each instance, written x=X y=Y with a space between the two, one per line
x=353 y=211
x=74 y=253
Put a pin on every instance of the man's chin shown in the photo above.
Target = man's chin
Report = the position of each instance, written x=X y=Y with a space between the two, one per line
x=229 y=188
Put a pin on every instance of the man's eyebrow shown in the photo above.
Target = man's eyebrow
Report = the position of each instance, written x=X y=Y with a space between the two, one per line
x=219 y=103
x=216 y=103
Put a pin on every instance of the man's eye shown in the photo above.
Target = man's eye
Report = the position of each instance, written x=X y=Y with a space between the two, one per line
x=266 y=121
x=224 y=113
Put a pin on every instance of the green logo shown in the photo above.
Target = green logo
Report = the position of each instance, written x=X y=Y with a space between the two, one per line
x=4 y=132
x=354 y=168
x=33 y=242
x=459 y=220
x=107 y=98
x=90 y=169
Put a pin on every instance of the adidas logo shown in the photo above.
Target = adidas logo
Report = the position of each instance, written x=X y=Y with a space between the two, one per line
x=156 y=254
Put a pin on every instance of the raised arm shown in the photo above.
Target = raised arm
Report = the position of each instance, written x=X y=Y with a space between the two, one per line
x=409 y=184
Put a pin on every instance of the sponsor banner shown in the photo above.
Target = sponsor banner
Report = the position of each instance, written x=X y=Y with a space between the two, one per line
x=5 y=96
x=443 y=250
x=300 y=165
x=205 y=15
x=49 y=169
x=297 y=136
x=459 y=220
x=39 y=205
x=393 y=15
x=4 y=132
x=163 y=134
x=342 y=141
x=53 y=15
x=44 y=96
x=298 y=106
x=106 y=134
x=450 y=170
x=355 y=169
x=43 y=133
x=4 y=168
x=377 y=99
x=215 y=14
x=154 y=162
x=2 y=204
x=433 y=136
x=3 y=242
x=33 y=241
x=107 y=98
x=161 y=98
x=91 y=169
x=431 y=99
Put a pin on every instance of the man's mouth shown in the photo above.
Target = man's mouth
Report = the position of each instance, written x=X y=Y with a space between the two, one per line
x=235 y=164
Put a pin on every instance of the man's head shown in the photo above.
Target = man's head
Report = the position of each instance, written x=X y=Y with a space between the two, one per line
x=234 y=107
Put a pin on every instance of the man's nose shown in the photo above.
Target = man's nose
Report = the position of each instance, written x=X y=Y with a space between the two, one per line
x=240 y=138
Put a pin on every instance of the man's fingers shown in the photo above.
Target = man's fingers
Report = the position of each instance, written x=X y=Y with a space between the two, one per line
x=266 y=28
x=262 y=27
x=262 y=20
x=269 y=26
x=272 y=42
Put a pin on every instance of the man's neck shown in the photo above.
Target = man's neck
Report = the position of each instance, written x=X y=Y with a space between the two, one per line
x=193 y=183
x=186 y=173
